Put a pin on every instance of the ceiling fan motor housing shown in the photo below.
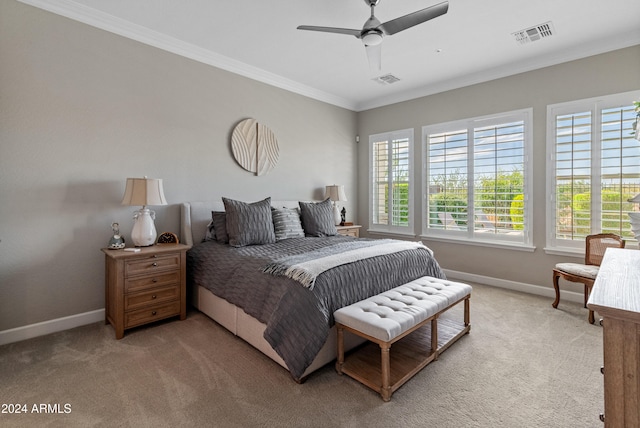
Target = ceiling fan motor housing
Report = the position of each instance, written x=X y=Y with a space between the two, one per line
x=372 y=37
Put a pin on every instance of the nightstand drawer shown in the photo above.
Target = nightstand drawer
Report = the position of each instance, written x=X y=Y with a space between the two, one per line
x=152 y=281
x=151 y=264
x=349 y=230
x=150 y=314
x=160 y=295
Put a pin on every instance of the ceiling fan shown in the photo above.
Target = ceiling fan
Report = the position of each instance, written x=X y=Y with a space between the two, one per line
x=373 y=31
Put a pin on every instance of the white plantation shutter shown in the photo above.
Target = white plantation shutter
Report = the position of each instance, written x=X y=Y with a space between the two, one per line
x=476 y=174
x=391 y=159
x=594 y=169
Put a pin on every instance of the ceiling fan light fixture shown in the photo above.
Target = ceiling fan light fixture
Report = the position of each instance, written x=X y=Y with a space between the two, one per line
x=372 y=38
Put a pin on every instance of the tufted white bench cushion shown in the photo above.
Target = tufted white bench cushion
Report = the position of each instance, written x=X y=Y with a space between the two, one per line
x=389 y=314
x=388 y=317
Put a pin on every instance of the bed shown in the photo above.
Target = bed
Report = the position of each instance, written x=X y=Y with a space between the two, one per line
x=288 y=318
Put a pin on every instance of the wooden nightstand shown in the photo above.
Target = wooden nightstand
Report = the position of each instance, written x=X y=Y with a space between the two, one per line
x=353 y=230
x=145 y=286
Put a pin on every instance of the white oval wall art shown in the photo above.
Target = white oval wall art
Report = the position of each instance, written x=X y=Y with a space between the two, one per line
x=254 y=147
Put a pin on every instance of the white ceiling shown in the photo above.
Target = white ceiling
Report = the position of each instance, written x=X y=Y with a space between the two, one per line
x=472 y=43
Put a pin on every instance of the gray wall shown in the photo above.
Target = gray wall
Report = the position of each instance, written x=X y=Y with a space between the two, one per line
x=605 y=74
x=82 y=109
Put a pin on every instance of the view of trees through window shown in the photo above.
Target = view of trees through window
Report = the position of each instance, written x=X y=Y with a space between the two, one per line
x=391 y=160
x=596 y=172
x=493 y=158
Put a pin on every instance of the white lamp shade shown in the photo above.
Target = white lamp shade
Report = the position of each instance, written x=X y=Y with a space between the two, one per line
x=335 y=193
x=144 y=191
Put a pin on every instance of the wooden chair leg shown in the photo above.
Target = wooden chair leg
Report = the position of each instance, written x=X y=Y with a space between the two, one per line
x=556 y=287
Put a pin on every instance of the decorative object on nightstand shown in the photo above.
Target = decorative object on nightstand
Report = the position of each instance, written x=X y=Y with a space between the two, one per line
x=336 y=194
x=167 y=238
x=144 y=191
x=634 y=216
x=144 y=286
x=117 y=241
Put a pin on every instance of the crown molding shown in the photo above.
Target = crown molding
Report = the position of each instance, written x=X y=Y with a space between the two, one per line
x=121 y=27
x=78 y=12
x=620 y=41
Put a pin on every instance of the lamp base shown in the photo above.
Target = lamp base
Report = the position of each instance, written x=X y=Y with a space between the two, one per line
x=337 y=218
x=144 y=230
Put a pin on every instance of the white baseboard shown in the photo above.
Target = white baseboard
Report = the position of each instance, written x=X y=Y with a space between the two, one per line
x=52 y=326
x=60 y=324
x=538 y=290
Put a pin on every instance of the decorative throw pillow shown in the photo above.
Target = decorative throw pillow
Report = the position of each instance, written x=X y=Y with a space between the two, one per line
x=286 y=223
x=249 y=224
x=210 y=233
x=220 y=226
x=317 y=218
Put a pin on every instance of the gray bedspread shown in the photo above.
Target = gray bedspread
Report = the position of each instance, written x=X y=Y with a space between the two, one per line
x=298 y=319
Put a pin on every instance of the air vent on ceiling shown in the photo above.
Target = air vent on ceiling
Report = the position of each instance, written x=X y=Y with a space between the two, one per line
x=387 y=79
x=534 y=33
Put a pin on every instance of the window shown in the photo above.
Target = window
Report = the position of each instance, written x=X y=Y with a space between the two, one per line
x=594 y=169
x=391 y=156
x=477 y=179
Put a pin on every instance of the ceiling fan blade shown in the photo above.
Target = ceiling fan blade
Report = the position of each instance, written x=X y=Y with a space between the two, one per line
x=374 y=54
x=347 y=31
x=415 y=18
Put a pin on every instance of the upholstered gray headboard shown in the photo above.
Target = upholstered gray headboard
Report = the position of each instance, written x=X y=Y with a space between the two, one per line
x=195 y=216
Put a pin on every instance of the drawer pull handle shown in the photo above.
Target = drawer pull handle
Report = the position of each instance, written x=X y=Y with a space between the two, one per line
x=154 y=280
x=153 y=297
x=153 y=313
x=154 y=264
x=155 y=256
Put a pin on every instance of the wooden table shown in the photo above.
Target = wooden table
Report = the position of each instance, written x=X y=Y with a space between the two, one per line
x=616 y=297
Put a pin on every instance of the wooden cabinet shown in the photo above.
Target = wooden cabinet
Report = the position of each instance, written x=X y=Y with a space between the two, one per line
x=353 y=230
x=616 y=297
x=145 y=286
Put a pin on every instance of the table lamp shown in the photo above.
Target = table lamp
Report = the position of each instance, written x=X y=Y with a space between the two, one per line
x=144 y=191
x=336 y=194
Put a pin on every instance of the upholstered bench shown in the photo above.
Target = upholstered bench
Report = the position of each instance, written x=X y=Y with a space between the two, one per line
x=387 y=318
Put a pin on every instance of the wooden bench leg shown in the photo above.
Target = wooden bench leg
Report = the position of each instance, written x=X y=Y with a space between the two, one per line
x=434 y=337
x=467 y=316
x=340 y=359
x=385 y=390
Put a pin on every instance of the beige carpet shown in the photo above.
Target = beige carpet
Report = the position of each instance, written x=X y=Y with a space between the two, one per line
x=524 y=364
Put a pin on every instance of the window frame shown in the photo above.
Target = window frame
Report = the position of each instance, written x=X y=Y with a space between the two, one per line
x=389 y=137
x=595 y=106
x=470 y=235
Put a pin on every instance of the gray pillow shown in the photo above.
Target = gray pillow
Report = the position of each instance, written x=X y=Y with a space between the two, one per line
x=286 y=223
x=317 y=218
x=219 y=219
x=249 y=224
x=210 y=233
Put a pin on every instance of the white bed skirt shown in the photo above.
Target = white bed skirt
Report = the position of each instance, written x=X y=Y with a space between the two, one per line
x=251 y=330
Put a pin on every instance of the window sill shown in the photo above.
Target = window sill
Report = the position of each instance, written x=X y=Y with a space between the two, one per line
x=493 y=244
x=391 y=233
